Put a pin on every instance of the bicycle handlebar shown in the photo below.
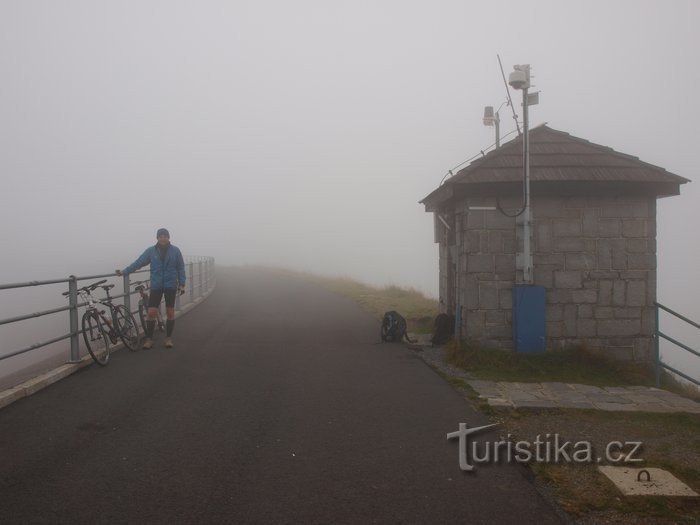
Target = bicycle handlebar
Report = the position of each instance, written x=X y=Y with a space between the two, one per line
x=89 y=287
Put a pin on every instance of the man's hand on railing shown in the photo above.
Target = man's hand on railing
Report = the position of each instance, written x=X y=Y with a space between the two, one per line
x=118 y=272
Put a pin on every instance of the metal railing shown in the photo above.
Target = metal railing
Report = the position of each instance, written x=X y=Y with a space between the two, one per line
x=657 y=340
x=201 y=279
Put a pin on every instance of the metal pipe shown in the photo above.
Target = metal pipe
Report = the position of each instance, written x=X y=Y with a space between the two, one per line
x=34 y=315
x=527 y=265
x=35 y=346
x=32 y=283
x=657 y=354
x=73 y=301
x=678 y=343
x=127 y=292
x=201 y=278
x=497 y=123
x=458 y=271
x=683 y=318
x=684 y=376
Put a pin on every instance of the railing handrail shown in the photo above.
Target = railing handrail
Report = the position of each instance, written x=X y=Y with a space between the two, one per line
x=681 y=317
x=27 y=284
x=55 y=281
x=205 y=285
x=658 y=335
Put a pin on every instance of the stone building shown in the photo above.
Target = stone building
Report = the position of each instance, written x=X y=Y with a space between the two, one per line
x=593 y=241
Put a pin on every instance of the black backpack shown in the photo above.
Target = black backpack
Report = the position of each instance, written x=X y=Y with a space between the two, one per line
x=394 y=328
x=444 y=329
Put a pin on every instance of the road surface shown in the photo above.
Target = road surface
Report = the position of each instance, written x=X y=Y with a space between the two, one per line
x=277 y=405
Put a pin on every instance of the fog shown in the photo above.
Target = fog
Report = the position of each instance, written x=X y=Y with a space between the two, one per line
x=303 y=134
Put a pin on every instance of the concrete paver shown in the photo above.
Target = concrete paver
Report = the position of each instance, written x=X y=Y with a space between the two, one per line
x=565 y=395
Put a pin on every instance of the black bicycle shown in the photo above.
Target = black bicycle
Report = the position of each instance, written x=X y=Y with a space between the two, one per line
x=101 y=331
x=141 y=287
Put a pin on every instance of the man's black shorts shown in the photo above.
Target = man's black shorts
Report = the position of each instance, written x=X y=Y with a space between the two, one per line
x=156 y=296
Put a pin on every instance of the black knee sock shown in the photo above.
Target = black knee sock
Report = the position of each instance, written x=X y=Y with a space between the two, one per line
x=150 y=325
x=169 y=325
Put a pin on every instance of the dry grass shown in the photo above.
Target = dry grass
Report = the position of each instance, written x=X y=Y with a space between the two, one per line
x=669 y=442
x=418 y=310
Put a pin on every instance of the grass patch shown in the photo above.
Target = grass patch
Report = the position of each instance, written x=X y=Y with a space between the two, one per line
x=576 y=365
x=587 y=495
x=418 y=310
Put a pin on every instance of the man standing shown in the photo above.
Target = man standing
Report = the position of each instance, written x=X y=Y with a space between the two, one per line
x=167 y=276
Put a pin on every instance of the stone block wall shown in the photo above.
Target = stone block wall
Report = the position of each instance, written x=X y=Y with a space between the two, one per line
x=596 y=257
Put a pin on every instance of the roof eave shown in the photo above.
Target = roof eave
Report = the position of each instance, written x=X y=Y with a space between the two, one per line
x=445 y=197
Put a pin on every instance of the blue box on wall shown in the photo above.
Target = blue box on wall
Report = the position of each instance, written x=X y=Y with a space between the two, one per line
x=529 y=318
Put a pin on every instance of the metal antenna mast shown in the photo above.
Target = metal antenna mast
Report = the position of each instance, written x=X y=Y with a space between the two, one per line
x=510 y=101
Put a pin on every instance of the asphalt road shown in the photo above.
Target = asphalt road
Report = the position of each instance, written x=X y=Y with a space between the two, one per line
x=277 y=405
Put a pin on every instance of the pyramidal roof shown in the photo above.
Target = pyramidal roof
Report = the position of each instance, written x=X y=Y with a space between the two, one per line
x=558 y=159
x=559 y=156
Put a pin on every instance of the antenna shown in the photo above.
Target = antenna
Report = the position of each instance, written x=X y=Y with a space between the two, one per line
x=510 y=102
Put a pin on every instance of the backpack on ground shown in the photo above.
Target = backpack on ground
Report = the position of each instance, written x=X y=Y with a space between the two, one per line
x=394 y=328
x=444 y=329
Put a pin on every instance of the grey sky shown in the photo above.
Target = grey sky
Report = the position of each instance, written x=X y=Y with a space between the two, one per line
x=304 y=133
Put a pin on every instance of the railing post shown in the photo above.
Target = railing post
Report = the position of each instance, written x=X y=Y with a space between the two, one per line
x=74 y=333
x=127 y=292
x=657 y=353
x=201 y=278
x=191 y=281
x=206 y=274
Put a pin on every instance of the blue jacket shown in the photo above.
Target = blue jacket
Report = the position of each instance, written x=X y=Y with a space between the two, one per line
x=166 y=272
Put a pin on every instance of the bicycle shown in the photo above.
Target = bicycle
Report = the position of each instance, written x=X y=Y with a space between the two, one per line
x=141 y=287
x=99 y=331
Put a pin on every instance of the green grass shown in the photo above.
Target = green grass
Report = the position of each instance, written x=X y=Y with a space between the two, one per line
x=569 y=366
x=585 y=493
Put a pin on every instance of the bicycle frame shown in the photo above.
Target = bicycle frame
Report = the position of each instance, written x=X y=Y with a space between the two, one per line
x=122 y=324
x=142 y=287
x=92 y=305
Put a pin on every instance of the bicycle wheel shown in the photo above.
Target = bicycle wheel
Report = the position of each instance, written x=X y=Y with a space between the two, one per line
x=159 y=322
x=127 y=328
x=143 y=315
x=96 y=339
